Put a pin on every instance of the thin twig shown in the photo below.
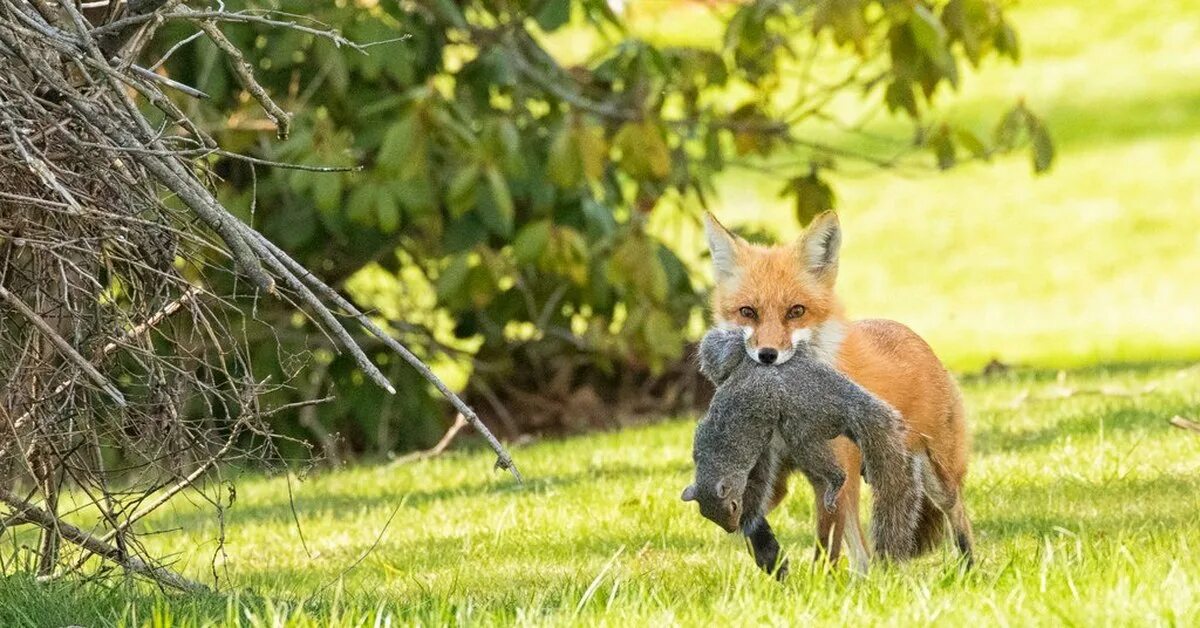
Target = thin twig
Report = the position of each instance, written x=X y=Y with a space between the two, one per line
x=459 y=423
x=362 y=556
x=1185 y=424
x=63 y=346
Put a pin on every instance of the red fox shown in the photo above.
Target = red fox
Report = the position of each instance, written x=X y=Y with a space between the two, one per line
x=782 y=295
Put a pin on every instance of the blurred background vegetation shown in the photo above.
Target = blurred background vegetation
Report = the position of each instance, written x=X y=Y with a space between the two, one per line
x=526 y=214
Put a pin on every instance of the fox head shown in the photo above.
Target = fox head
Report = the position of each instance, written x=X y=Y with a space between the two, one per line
x=778 y=296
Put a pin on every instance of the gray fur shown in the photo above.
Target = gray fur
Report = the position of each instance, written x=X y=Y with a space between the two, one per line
x=762 y=415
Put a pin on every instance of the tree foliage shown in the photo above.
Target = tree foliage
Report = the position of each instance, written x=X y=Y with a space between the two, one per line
x=519 y=187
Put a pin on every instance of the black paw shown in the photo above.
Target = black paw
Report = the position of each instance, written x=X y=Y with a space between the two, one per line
x=782 y=572
x=766 y=558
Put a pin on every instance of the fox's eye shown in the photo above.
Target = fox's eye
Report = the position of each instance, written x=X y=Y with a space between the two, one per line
x=748 y=312
x=796 y=311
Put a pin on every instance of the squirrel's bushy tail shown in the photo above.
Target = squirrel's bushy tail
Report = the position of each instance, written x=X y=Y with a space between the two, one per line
x=931 y=527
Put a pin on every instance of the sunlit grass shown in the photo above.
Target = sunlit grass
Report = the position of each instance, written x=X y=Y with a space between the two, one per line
x=1092 y=262
x=1084 y=508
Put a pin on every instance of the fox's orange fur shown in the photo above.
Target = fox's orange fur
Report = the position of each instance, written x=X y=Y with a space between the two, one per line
x=759 y=289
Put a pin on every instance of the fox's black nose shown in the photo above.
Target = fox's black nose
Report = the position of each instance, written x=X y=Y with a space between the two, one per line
x=767 y=356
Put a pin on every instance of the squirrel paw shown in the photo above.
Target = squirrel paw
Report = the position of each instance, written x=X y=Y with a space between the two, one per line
x=782 y=572
x=831 y=496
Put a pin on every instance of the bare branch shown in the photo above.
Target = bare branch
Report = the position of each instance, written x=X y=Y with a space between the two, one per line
x=245 y=75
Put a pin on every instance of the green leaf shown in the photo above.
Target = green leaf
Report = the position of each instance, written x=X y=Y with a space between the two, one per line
x=531 y=241
x=501 y=212
x=714 y=154
x=361 y=203
x=1009 y=128
x=750 y=134
x=662 y=337
x=593 y=150
x=460 y=195
x=562 y=161
x=448 y=11
x=676 y=271
x=943 y=148
x=508 y=141
x=566 y=255
x=900 y=95
x=930 y=36
x=845 y=19
x=962 y=19
x=1042 y=144
x=598 y=219
x=1006 y=42
x=387 y=211
x=481 y=287
x=553 y=14
x=927 y=31
x=327 y=191
x=452 y=282
x=636 y=267
x=813 y=196
x=972 y=142
x=463 y=234
x=416 y=196
x=403 y=151
x=644 y=152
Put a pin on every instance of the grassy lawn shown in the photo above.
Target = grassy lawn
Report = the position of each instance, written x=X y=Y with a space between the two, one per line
x=1085 y=510
x=1087 y=507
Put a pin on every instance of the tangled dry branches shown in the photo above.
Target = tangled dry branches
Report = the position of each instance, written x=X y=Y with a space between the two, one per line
x=123 y=371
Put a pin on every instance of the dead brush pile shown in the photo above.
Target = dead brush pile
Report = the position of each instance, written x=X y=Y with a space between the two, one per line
x=126 y=288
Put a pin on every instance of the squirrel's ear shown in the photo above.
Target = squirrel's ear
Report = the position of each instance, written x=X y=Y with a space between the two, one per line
x=819 y=247
x=689 y=493
x=724 y=248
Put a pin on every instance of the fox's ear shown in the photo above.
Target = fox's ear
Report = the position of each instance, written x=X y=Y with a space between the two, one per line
x=689 y=493
x=820 y=245
x=724 y=246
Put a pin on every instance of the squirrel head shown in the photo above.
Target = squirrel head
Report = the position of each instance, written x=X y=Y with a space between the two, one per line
x=720 y=501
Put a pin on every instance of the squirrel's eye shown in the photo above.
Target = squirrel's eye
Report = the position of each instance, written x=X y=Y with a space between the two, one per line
x=796 y=311
x=748 y=312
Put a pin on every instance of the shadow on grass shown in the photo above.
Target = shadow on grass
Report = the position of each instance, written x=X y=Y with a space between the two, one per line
x=1097 y=509
x=1084 y=414
x=1134 y=116
x=1082 y=422
x=1030 y=376
x=344 y=506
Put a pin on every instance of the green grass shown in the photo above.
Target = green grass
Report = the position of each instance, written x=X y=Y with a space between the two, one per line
x=1085 y=507
x=1085 y=511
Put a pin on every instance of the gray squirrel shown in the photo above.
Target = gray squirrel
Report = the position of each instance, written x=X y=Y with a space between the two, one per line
x=761 y=414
